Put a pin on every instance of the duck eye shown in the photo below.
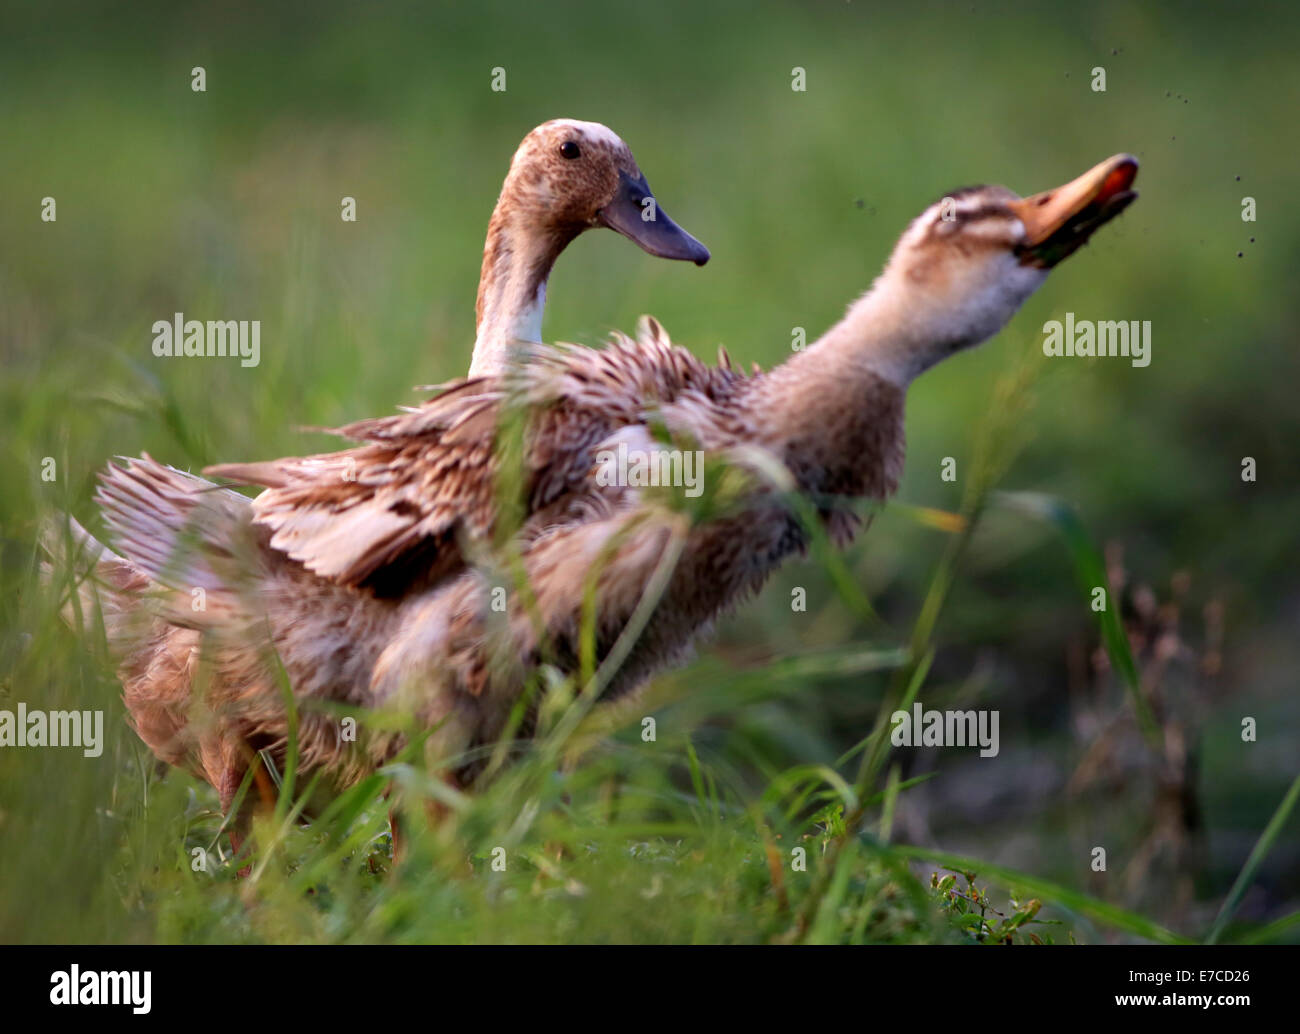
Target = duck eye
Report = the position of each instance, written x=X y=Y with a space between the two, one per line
x=569 y=150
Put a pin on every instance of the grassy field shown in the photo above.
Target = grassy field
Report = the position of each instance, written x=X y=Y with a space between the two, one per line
x=226 y=202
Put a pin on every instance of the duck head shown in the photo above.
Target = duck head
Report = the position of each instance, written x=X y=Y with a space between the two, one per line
x=572 y=176
x=566 y=177
x=970 y=260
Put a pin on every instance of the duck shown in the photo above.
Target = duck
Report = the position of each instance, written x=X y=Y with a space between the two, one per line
x=306 y=573
x=566 y=177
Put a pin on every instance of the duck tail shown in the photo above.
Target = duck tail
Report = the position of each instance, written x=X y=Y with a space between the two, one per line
x=191 y=539
x=98 y=581
x=186 y=554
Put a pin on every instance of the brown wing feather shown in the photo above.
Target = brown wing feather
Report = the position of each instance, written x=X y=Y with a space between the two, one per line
x=424 y=478
x=420 y=477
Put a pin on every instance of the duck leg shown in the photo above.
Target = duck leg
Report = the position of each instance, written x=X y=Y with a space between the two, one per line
x=227 y=760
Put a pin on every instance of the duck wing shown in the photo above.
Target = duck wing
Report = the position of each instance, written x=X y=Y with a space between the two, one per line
x=420 y=479
x=425 y=485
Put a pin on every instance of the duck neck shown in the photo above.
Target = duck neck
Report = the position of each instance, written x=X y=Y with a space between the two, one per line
x=836 y=408
x=517 y=262
x=883 y=334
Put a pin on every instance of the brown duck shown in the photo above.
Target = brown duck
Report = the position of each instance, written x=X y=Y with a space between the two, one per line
x=369 y=571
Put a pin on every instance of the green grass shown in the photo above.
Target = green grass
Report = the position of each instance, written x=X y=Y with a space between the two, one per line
x=1069 y=476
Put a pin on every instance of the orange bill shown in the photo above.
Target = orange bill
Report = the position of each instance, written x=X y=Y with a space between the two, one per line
x=1059 y=221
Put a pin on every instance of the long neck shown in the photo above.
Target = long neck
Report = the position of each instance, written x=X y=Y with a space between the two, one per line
x=884 y=333
x=834 y=412
x=517 y=261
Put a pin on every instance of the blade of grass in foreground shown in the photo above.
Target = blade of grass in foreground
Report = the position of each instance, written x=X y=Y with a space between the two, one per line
x=1091 y=572
x=1247 y=875
x=1271 y=932
x=1101 y=911
x=998 y=439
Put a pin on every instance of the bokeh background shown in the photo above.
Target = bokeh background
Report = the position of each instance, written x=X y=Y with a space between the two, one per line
x=226 y=204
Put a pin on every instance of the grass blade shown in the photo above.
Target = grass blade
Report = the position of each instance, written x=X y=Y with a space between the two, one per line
x=1090 y=570
x=1257 y=855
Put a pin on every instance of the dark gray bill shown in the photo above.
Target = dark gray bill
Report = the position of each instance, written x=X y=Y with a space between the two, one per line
x=660 y=236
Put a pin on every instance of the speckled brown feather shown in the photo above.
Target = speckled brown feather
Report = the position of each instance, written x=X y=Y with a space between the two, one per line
x=427 y=476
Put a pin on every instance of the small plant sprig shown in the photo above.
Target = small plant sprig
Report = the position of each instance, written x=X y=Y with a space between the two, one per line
x=970 y=910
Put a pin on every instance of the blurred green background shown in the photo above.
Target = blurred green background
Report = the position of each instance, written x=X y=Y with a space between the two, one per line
x=225 y=204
